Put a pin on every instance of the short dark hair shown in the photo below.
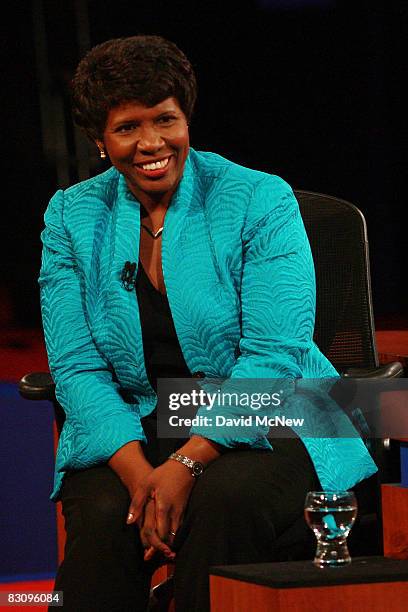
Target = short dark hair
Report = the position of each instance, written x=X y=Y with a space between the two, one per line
x=147 y=69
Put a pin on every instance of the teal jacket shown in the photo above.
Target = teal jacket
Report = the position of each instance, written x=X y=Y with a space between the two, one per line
x=240 y=283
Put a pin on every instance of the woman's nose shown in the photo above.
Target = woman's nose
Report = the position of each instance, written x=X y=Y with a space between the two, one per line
x=149 y=139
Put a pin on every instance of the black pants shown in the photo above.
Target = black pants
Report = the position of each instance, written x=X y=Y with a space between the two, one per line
x=237 y=510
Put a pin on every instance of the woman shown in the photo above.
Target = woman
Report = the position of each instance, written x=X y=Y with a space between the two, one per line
x=224 y=282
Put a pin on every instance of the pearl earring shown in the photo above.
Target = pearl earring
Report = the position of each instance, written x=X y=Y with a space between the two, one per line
x=102 y=153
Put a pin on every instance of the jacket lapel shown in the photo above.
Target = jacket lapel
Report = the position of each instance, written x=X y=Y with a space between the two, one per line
x=203 y=313
x=124 y=338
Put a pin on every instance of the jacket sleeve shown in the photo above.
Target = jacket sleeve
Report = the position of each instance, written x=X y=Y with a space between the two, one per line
x=98 y=420
x=278 y=287
x=277 y=307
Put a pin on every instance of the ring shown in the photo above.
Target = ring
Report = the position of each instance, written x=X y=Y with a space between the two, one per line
x=172 y=533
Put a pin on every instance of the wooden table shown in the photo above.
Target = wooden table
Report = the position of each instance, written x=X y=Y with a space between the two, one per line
x=368 y=584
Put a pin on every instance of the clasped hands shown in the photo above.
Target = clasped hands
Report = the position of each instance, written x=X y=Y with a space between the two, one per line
x=158 y=501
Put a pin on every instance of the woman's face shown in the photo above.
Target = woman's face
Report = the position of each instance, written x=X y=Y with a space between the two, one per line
x=149 y=146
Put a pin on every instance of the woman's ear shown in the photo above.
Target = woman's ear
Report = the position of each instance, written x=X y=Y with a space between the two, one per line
x=101 y=147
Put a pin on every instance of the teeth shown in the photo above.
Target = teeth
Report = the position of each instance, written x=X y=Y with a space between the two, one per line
x=160 y=164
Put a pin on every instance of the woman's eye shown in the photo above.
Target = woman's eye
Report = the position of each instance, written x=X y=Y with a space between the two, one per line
x=126 y=127
x=167 y=119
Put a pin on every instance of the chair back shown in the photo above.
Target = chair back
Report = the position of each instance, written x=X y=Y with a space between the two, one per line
x=344 y=329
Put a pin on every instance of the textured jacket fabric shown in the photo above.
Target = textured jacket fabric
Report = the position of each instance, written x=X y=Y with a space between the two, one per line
x=240 y=283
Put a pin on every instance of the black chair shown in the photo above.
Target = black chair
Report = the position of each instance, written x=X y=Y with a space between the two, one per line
x=344 y=327
x=344 y=332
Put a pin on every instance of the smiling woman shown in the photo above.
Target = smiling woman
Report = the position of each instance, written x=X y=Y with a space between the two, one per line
x=223 y=288
x=149 y=146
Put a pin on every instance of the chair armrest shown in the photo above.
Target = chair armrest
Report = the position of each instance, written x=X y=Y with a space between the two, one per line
x=37 y=386
x=395 y=369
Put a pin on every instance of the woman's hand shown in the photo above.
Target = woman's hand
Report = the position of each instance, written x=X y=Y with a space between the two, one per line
x=133 y=469
x=160 y=498
x=130 y=465
x=158 y=506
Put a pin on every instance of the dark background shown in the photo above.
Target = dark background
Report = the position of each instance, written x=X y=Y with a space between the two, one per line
x=309 y=90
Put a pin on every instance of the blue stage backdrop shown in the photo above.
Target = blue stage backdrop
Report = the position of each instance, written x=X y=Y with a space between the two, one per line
x=27 y=516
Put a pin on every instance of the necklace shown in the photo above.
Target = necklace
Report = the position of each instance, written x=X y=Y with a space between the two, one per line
x=154 y=235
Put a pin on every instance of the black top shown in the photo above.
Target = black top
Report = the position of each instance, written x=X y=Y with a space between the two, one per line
x=163 y=356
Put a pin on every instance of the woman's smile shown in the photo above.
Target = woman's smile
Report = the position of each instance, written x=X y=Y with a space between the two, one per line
x=154 y=165
x=155 y=169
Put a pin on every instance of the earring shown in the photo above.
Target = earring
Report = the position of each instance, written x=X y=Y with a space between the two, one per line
x=102 y=153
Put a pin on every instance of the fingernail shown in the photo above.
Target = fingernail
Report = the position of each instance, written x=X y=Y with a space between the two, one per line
x=129 y=517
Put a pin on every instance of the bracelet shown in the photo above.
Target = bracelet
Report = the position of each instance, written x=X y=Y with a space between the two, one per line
x=195 y=467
